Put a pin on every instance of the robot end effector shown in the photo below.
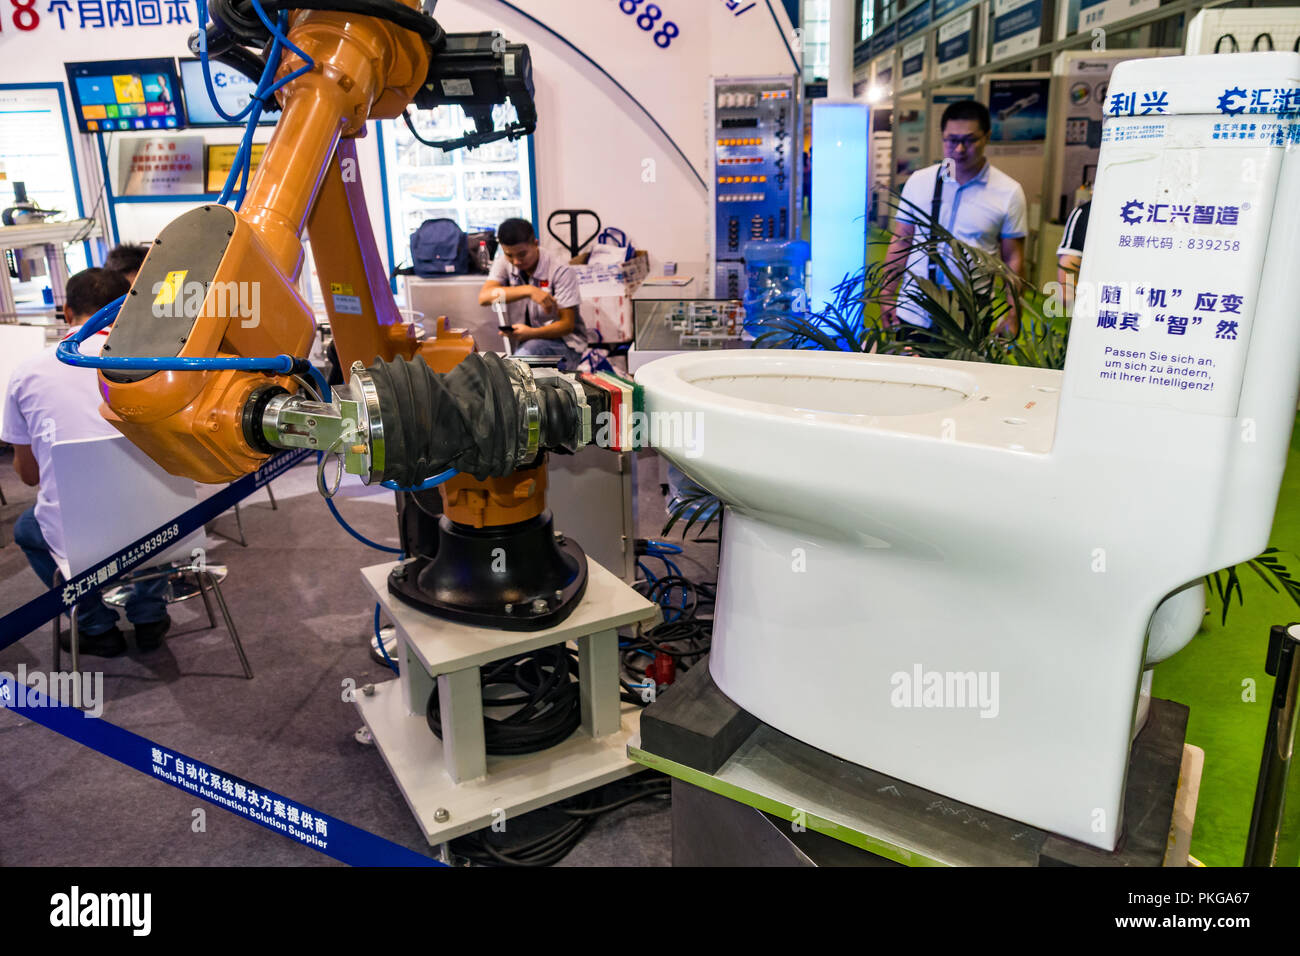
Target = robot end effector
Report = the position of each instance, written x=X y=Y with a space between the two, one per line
x=402 y=422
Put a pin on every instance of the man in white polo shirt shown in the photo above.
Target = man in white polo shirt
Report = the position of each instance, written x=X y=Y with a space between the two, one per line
x=536 y=295
x=49 y=402
x=978 y=204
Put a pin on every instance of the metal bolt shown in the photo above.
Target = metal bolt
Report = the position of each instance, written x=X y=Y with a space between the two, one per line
x=559 y=538
x=559 y=595
x=368 y=690
x=510 y=609
x=311 y=441
x=311 y=423
x=539 y=605
x=399 y=572
x=441 y=815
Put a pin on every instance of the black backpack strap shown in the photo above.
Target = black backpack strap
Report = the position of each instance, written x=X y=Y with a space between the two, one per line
x=936 y=204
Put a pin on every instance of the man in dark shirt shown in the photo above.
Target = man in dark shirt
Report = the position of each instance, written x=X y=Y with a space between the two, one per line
x=1069 y=257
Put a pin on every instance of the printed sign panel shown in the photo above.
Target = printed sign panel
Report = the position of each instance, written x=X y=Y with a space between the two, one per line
x=913 y=68
x=953 y=45
x=1176 y=239
x=944 y=7
x=911 y=23
x=1017 y=26
x=161 y=166
x=1098 y=13
x=1018 y=110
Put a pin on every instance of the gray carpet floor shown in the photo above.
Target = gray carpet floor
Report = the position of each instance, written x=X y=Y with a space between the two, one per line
x=305 y=617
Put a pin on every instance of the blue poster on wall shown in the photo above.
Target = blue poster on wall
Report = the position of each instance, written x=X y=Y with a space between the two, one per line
x=944 y=7
x=953 y=45
x=1018 y=109
x=912 y=73
x=1017 y=26
x=884 y=39
x=916 y=20
x=1098 y=13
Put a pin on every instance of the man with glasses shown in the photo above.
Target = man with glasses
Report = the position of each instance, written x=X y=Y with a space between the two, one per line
x=978 y=204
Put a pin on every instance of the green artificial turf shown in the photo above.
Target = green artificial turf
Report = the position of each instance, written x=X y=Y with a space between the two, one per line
x=1210 y=675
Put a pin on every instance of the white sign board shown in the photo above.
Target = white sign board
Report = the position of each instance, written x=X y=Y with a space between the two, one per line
x=1098 y=13
x=1178 y=228
x=1015 y=26
x=912 y=70
x=953 y=45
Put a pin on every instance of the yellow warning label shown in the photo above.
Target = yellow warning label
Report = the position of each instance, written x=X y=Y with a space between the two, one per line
x=171 y=287
x=341 y=288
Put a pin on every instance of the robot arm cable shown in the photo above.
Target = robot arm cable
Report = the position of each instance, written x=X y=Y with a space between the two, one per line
x=69 y=353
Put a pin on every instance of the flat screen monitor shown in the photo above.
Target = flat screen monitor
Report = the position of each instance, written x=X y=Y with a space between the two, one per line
x=119 y=95
x=233 y=90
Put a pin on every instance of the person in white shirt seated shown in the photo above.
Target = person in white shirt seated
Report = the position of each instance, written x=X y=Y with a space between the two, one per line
x=49 y=402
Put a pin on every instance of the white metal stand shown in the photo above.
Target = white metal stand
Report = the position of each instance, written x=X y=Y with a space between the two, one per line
x=451 y=785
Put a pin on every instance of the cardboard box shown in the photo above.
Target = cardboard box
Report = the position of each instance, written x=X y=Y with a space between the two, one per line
x=608 y=317
x=611 y=280
x=607 y=295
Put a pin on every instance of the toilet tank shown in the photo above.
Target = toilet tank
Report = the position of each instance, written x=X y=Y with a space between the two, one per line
x=1184 y=355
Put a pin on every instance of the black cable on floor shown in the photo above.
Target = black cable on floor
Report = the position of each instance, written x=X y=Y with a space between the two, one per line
x=575 y=818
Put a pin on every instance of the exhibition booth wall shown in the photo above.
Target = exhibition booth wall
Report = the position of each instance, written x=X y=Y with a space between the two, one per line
x=621 y=104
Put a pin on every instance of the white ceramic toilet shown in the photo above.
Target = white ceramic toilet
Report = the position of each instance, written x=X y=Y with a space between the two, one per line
x=947 y=571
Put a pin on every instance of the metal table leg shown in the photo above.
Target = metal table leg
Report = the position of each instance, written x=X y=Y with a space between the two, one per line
x=460 y=703
x=598 y=686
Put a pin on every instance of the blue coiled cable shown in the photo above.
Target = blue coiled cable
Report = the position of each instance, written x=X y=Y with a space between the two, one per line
x=241 y=167
x=68 y=350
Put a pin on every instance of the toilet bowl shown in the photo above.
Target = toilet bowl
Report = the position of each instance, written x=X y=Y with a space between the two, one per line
x=948 y=571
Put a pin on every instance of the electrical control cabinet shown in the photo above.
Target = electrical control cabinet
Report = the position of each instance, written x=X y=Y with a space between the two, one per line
x=756 y=174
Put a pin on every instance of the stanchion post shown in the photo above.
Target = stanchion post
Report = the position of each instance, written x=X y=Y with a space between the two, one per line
x=1273 y=840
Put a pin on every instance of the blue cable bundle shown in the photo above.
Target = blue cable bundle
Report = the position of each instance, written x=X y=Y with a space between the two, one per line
x=69 y=350
x=241 y=168
x=663 y=593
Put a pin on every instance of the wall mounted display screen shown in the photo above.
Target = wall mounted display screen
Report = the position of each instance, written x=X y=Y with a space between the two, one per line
x=112 y=95
x=233 y=90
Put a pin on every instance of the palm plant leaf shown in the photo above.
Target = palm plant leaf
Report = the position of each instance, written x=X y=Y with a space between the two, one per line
x=1270 y=569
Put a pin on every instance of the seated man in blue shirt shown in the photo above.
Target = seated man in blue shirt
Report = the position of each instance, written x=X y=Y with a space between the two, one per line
x=978 y=204
x=536 y=297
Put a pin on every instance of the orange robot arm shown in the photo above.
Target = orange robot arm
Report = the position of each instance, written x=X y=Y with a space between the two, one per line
x=223 y=283
x=220 y=284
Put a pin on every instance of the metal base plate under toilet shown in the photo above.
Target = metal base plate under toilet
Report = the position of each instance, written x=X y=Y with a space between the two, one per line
x=784 y=799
